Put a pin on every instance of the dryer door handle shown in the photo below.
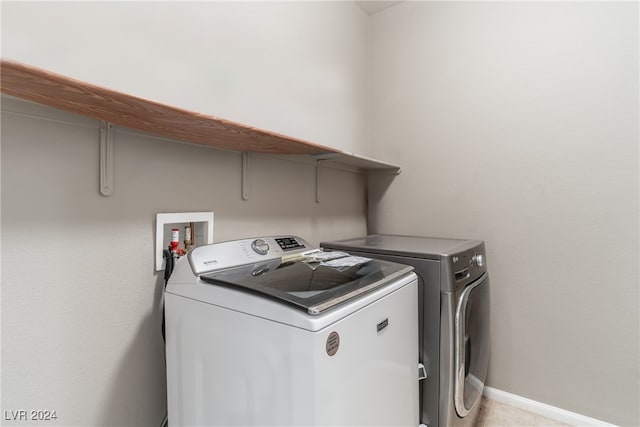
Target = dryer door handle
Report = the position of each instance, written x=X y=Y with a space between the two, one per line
x=422 y=372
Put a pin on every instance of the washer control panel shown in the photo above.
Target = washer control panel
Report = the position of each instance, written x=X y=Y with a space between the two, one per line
x=289 y=243
x=260 y=247
x=233 y=253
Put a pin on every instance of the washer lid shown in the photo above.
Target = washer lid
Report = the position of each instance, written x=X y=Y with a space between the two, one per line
x=314 y=287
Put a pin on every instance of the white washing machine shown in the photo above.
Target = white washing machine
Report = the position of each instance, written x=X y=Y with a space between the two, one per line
x=255 y=339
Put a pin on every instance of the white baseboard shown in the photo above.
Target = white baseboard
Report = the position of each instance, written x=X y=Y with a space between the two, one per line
x=543 y=409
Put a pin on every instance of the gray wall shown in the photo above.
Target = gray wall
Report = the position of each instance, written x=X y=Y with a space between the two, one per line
x=517 y=123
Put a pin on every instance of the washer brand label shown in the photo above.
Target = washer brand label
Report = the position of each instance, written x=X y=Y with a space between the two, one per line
x=333 y=343
x=380 y=326
x=211 y=261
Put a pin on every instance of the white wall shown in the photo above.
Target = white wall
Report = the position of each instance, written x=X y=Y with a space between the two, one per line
x=81 y=302
x=517 y=123
x=297 y=68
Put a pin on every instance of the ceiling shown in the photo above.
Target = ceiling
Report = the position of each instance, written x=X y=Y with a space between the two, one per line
x=374 y=6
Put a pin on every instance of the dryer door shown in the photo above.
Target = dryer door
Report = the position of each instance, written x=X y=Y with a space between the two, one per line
x=472 y=344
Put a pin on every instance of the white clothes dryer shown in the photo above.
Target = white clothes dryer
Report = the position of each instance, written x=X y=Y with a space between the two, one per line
x=255 y=339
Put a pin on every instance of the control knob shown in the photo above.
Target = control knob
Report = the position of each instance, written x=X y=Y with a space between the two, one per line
x=479 y=259
x=260 y=247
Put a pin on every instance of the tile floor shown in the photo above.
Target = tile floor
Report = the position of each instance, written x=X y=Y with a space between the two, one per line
x=496 y=414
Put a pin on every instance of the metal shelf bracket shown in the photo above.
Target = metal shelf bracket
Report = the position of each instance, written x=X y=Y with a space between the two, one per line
x=245 y=175
x=106 y=158
x=318 y=164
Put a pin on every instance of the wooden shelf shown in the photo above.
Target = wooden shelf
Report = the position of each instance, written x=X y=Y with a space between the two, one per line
x=44 y=87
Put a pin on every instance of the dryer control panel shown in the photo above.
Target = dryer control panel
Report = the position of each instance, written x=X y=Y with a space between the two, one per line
x=465 y=266
x=218 y=256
